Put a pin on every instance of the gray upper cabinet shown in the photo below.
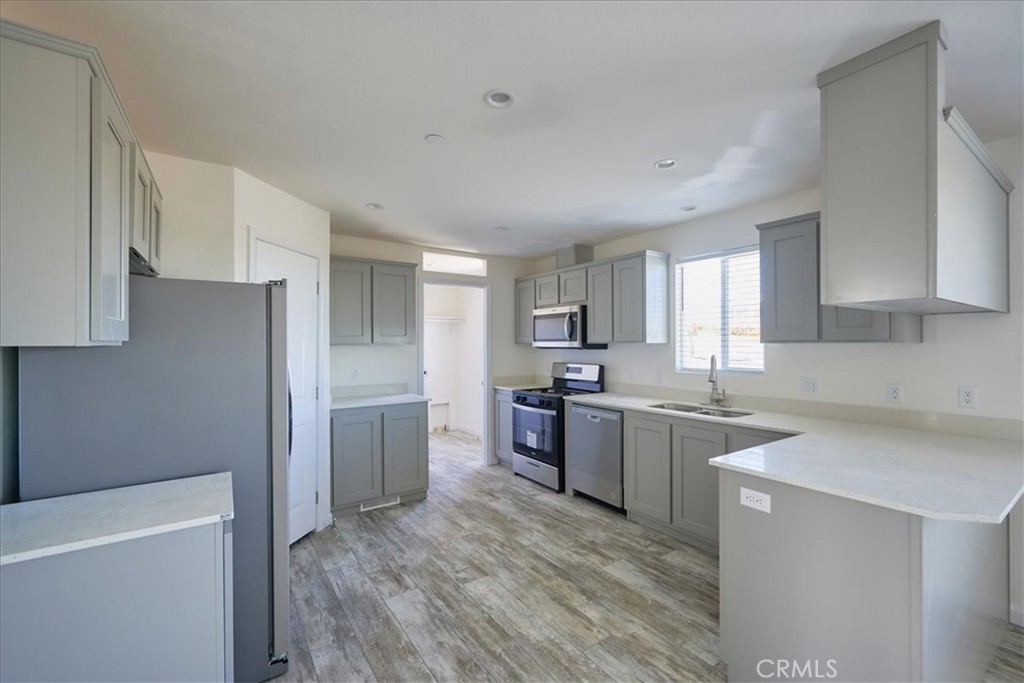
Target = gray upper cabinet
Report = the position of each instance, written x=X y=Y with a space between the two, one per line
x=790 y=308
x=646 y=468
x=405 y=449
x=524 y=311
x=640 y=298
x=694 y=480
x=156 y=224
x=357 y=456
x=394 y=304
x=546 y=292
x=350 y=302
x=915 y=207
x=372 y=303
x=503 y=425
x=599 y=309
x=572 y=286
x=141 y=216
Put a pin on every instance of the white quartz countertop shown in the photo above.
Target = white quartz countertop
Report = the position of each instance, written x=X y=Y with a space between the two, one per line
x=373 y=401
x=51 y=526
x=521 y=387
x=931 y=474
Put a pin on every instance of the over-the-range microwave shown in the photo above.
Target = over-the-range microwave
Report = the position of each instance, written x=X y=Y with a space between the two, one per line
x=562 y=327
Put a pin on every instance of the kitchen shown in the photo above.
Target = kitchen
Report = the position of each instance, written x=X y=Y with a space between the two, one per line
x=217 y=215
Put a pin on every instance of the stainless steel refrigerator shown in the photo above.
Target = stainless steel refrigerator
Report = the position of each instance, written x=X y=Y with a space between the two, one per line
x=200 y=387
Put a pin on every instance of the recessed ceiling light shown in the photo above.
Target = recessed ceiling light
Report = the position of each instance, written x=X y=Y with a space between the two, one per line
x=502 y=228
x=434 y=138
x=664 y=164
x=688 y=207
x=375 y=206
x=499 y=98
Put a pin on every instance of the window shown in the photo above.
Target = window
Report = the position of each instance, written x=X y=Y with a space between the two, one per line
x=719 y=311
x=450 y=263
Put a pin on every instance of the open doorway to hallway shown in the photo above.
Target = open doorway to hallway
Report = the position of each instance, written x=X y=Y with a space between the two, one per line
x=454 y=360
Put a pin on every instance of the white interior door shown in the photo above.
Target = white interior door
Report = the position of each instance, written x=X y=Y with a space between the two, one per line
x=273 y=262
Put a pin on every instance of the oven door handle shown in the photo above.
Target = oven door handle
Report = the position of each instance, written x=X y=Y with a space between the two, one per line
x=531 y=409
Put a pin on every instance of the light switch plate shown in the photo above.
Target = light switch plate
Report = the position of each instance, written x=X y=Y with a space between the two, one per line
x=755 y=499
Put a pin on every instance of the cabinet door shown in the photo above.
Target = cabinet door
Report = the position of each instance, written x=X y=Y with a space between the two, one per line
x=524 y=311
x=628 y=300
x=503 y=427
x=599 y=310
x=111 y=225
x=350 y=302
x=156 y=224
x=839 y=323
x=694 y=480
x=357 y=456
x=405 y=449
x=647 y=467
x=141 y=194
x=789 y=282
x=394 y=304
x=546 y=291
x=572 y=287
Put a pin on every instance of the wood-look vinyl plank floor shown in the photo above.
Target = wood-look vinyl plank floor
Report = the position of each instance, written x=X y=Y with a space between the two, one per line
x=495 y=578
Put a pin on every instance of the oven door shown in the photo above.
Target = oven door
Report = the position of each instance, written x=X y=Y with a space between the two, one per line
x=536 y=433
x=560 y=327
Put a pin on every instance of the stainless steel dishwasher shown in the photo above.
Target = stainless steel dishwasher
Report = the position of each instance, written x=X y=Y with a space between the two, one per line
x=593 y=453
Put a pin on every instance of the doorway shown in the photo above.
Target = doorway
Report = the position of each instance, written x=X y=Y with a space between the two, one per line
x=274 y=262
x=455 y=360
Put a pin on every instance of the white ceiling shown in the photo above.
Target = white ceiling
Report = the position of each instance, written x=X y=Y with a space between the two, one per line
x=330 y=101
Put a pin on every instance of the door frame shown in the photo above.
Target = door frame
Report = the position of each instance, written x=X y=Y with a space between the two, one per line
x=321 y=469
x=453 y=280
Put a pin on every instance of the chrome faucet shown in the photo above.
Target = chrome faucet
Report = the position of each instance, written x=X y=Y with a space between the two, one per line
x=717 y=395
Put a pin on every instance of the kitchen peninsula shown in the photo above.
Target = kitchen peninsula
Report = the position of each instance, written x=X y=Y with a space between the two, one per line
x=879 y=551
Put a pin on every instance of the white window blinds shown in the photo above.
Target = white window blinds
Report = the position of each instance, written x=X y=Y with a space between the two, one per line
x=719 y=311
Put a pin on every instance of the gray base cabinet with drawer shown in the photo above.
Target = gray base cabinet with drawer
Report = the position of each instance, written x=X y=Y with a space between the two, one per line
x=378 y=454
x=669 y=485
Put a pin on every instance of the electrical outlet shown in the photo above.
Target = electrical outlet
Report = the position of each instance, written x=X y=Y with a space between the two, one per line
x=894 y=392
x=808 y=385
x=967 y=396
x=755 y=499
x=355 y=373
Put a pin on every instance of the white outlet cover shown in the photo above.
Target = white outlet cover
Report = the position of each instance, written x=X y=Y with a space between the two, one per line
x=756 y=500
x=967 y=396
x=808 y=385
x=894 y=392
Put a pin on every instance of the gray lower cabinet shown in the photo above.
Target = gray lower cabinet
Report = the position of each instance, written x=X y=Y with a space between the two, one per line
x=372 y=302
x=546 y=292
x=378 y=452
x=790 y=308
x=357 y=455
x=599 y=309
x=694 y=480
x=525 y=293
x=647 y=467
x=669 y=484
x=405 y=449
x=503 y=425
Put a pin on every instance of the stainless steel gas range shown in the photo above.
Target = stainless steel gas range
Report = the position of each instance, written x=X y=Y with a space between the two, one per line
x=538 y=422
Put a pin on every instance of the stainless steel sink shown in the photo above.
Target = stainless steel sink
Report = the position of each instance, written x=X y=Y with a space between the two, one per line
x=678 y=407
x=719 y=412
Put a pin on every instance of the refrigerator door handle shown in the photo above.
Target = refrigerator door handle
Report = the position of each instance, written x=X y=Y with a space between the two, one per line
x=291 y=415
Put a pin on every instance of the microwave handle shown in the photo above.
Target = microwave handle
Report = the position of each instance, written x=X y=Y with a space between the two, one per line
x=567 y=327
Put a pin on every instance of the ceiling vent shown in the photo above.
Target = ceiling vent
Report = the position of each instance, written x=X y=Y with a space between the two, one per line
x=573 y=255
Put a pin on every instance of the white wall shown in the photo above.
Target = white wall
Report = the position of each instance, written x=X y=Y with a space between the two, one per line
x=198 y=218
x=982 y=349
